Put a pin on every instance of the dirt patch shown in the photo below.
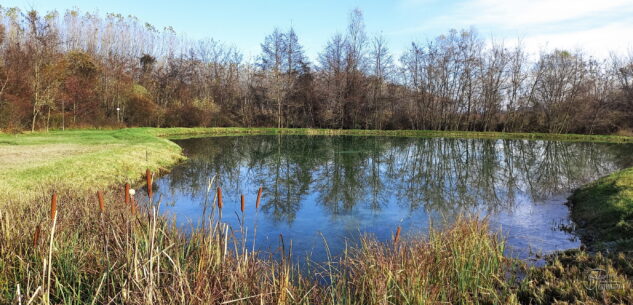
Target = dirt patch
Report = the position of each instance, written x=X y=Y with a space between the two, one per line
x=25 y=156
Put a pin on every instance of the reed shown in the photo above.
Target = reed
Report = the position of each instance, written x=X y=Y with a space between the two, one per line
x=133 y=205
x=242 y=203
x=48 y=264
x=259 y=197
x=53 y=206
x=130 y=260
x=461 y=265
x=36 y=235
x=220 y=202
x=397 y=237
x=148 y=177
x=101 y=202
x=127 y=193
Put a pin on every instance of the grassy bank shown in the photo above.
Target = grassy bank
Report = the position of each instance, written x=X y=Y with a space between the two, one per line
x=32 y=165
x=603 y=211
x=188 y=132
x=578 y=277
x=119 y=256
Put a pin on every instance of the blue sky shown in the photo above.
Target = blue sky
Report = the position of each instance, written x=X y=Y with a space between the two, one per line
x=597 y=26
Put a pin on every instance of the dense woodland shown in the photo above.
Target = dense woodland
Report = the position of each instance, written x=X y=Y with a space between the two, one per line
x=75 y=69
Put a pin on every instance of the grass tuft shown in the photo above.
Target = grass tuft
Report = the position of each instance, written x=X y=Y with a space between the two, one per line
x=603 y=211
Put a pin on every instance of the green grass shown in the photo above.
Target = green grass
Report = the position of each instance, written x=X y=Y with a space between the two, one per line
x=32 y=165
x=127 y=258
x=603 y=211
x=566 y=279
x=188 y=132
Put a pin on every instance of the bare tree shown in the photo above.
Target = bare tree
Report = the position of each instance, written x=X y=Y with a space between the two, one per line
x=381 y=69
x=110 y=69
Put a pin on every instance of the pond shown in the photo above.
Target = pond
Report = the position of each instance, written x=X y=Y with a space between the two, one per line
x=336 y=188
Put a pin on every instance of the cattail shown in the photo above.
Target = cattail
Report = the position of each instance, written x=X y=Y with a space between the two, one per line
x=283 y=245
x=395 y=239
x=36 y=236
x=127 y=193
x=242 y=206
x=259 y=197
x=101 y=205
x=220 y=203
x=148 y=176
x=54 y=206
x=132 y=206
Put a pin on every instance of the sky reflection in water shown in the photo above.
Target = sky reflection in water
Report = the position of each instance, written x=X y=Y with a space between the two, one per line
x=344 y=186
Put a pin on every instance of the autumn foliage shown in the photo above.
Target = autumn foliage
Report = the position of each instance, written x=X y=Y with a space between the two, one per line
x=75 y=69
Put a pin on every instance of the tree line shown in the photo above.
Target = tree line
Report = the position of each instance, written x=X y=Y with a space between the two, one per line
x=76 y=69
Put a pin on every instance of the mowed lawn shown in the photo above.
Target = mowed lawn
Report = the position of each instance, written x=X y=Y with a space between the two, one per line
x=78 y=161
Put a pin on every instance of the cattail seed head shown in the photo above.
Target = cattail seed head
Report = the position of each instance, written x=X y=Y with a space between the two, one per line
x=127 y=193
x=395 y=239
x=259 y=197
x=101 y=204
x=53 y=205
x=220 y=203
x=242 y=206
x=132 y=205
x=148 y=176
x=36 y=236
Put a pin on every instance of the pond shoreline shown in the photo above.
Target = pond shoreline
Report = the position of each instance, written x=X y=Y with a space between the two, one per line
x=161 y=154
x=587 y=197
x=603 y=212
x=89 y=172
x=214 y=131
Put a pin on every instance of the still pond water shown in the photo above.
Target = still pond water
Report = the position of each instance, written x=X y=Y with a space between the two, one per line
x=339 y=187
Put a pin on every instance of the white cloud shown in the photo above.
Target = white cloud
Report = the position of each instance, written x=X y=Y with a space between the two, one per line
x=596 y=26
x=599 y=42
x=516 y=13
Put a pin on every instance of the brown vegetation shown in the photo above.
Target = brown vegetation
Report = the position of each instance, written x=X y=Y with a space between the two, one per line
x=125 y=258
x=55 y=73
x=134 y=257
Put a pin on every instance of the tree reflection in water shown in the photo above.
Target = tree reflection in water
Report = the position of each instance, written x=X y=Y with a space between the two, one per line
x=342 y=176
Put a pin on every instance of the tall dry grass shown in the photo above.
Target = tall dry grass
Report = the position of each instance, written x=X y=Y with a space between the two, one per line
x=463 y=264
x=113 y=256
